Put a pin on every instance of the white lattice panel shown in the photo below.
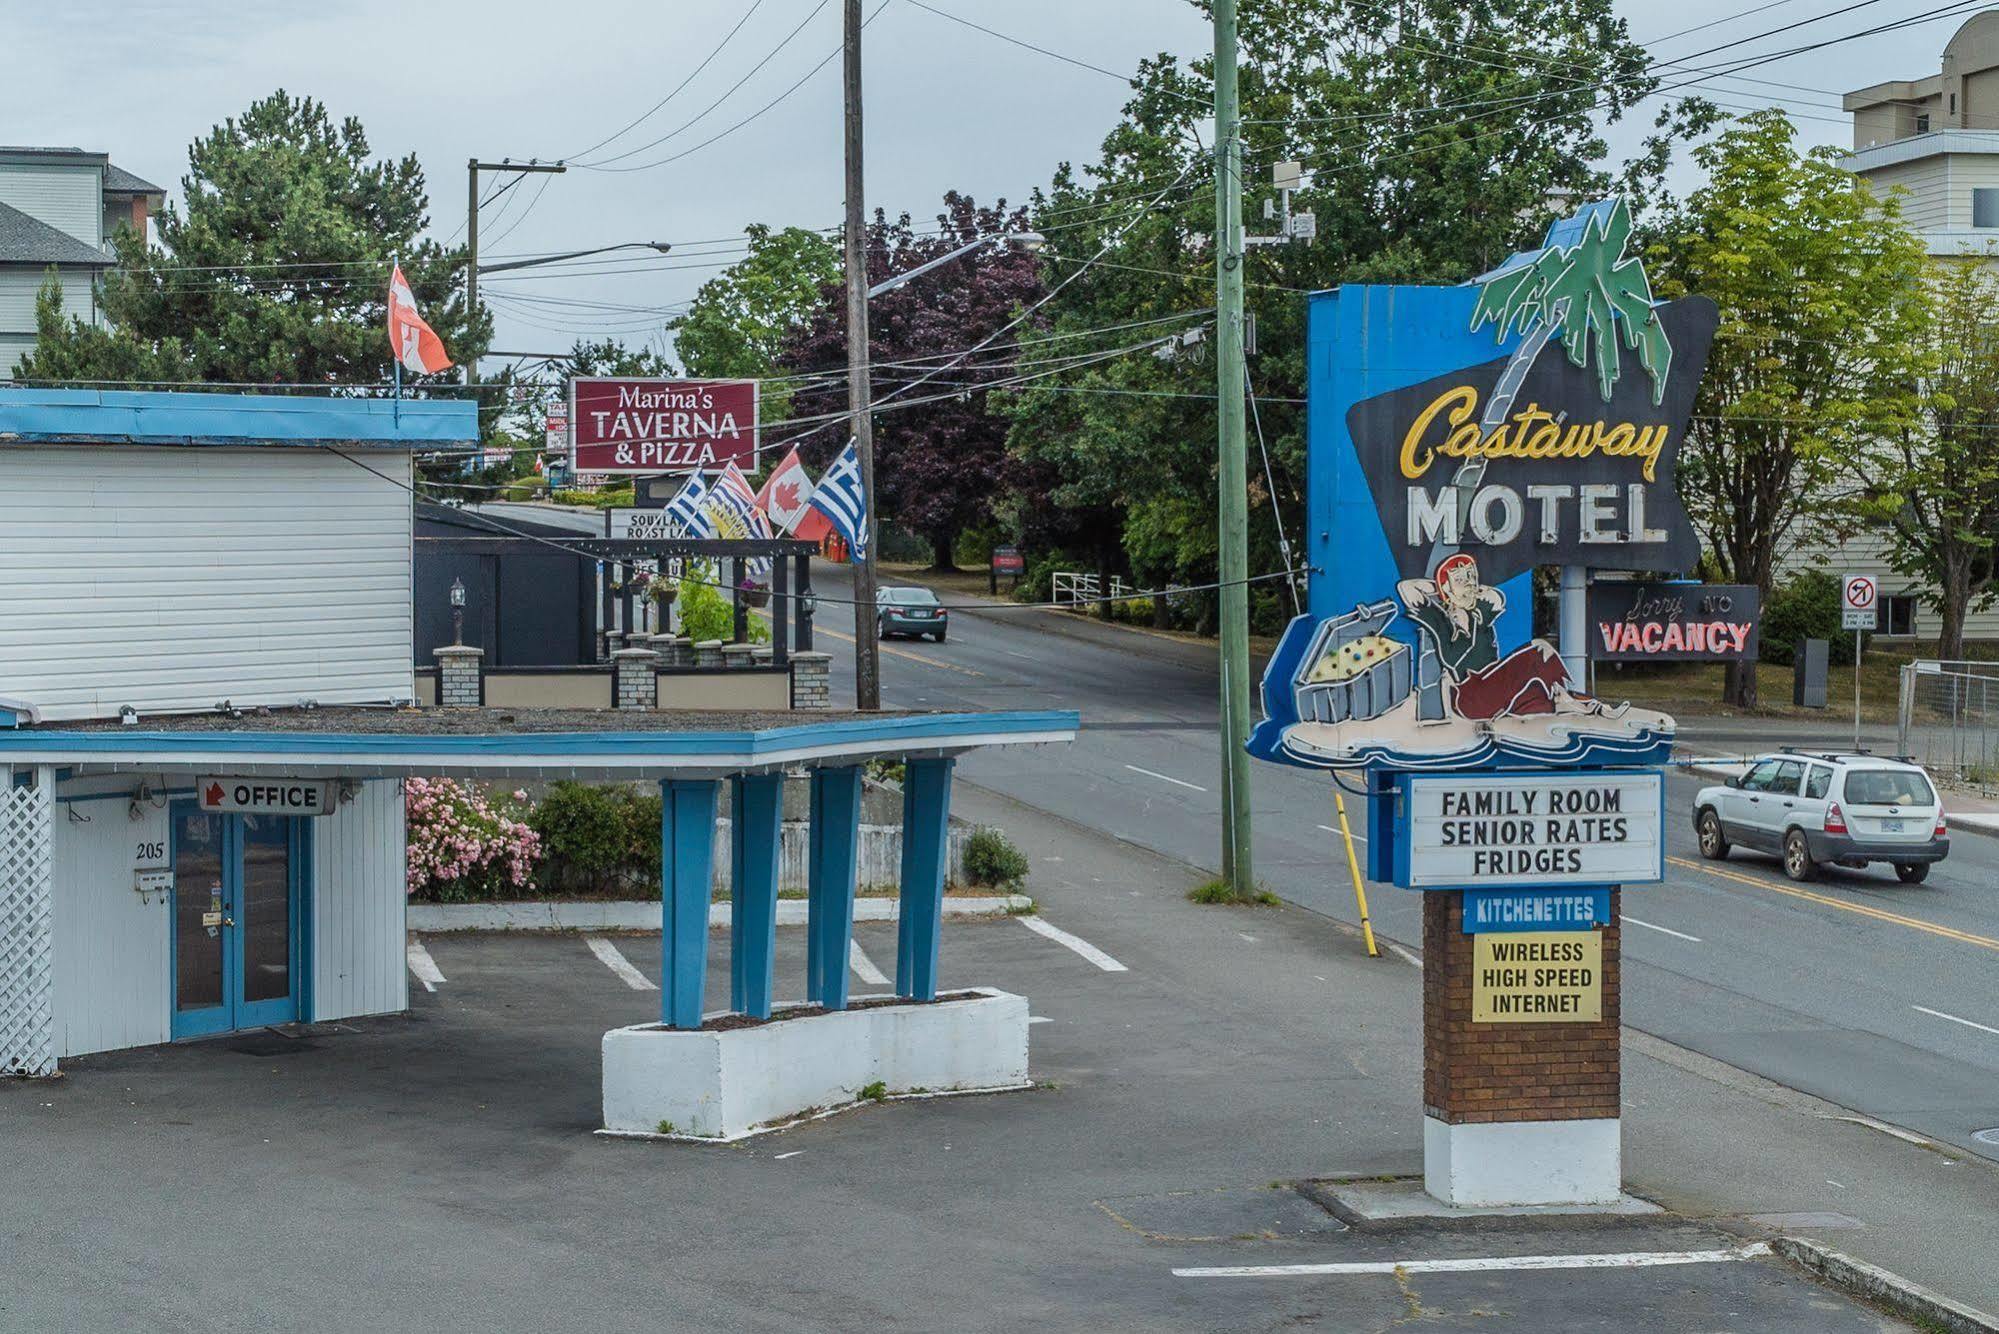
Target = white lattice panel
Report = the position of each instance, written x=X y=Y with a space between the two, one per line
x=27 y=1020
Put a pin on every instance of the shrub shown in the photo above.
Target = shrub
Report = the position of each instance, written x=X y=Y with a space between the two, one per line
x=463 y=845
x=706 y=612
x=991 y=860
x=599 y=840
x=1805 y=608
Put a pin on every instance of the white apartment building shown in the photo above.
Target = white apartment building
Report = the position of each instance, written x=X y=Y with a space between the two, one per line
x=60 y=209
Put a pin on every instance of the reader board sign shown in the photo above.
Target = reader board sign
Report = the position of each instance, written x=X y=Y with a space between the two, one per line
x=266 y=796
x=1859 y=602
x=1530 y=830
x=1008 y=560
x=641 y=525
x=624 y=425
x=1537 y=977
x=1653 y=622
x=1535 y=910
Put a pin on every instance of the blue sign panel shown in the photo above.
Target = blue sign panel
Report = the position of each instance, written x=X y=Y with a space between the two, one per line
x=1489 y=910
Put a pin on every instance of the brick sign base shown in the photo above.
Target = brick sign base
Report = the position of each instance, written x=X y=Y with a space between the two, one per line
x=1514 y=1113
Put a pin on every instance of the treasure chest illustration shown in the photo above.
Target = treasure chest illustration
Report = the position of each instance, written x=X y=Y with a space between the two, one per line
x=1352 y=670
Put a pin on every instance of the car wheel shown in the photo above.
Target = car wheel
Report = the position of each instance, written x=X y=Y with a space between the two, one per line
x=1912 y=873
x=1798 y=863
x=1714 y=843
x=940 y=636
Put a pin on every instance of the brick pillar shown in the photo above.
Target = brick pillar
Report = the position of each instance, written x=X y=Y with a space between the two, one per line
x=633 y=669
x=1515 y=1113
x=460 y=669
x=810 y=688
x=735 y=655
x=662 y=649
x=708 y=653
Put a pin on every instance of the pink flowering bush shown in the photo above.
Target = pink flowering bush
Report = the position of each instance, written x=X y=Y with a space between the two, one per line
x=464 y=844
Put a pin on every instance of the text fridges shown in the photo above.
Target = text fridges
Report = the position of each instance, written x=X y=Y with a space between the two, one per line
x=1530 y=830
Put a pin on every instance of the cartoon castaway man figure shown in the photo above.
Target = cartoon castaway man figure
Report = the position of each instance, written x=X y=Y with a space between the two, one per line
x=1459 y=613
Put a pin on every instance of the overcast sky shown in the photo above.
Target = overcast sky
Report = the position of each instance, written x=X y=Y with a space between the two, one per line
x=947 y=107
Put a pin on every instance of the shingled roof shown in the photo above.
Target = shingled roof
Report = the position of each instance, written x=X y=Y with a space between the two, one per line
x=27 y=240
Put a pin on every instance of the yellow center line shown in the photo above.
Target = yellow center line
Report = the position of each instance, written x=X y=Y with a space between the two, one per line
x=1862 y=909
x=905 y=653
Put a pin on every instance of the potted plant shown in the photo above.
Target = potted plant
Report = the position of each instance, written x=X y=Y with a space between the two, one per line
x=663 y=590
x=753 y=593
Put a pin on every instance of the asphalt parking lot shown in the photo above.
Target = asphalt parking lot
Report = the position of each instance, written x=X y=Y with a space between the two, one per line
x=437 y=1171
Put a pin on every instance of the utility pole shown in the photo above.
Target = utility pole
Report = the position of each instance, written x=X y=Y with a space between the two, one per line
x=473 y=166
x=1230 y=378
x=867 y=649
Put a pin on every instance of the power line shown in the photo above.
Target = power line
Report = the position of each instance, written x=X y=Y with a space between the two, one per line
x=679 y=87
x=1124 y=79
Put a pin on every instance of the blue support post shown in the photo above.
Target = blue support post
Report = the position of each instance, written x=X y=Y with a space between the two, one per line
x=756 y=831
x=687 y=865
x=836 y=846
x=926 y=832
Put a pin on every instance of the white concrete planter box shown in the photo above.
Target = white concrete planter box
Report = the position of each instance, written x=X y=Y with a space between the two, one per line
x=724 y=1085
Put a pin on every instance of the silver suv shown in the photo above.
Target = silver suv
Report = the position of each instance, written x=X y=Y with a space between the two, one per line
x=1848 y=809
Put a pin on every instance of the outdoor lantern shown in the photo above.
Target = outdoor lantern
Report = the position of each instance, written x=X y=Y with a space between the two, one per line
x=458 y=593
x=457 y=612
x=808 y=603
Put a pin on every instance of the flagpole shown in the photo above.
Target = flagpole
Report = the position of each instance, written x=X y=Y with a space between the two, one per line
x=395 y=356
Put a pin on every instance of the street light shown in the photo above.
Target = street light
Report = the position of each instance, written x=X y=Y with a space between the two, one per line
x=661 y=246
x=457 y=613
x=1031 y=242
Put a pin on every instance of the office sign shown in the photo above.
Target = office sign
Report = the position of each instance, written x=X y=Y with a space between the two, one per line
x=1535 y=910
x=1530 y=830
x=624 y=425
x=1649 y=622
x=1859 y=602
x=266 y=796
x=1537 y=977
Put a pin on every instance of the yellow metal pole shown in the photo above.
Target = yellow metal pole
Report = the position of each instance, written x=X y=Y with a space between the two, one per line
x=1353 y=865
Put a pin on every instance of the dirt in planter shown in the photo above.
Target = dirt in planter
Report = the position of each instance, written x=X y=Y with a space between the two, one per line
x=730 y=1022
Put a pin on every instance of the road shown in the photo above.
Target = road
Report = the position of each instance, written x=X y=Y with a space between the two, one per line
x=1878 y=996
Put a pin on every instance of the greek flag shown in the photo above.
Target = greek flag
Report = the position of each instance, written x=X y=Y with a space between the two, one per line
x=688 y=510
x=844 y=504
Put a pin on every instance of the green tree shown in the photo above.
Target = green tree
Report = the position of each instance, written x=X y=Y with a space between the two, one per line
x=1939 y=494
x=1438 y=138
x=277 y=270
x=738 y=321
x=1821 y=292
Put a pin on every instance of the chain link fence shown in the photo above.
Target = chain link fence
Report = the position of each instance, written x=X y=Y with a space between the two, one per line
x=1949 y=722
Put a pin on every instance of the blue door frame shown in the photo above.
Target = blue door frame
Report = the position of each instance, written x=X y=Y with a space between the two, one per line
x=236 y=1012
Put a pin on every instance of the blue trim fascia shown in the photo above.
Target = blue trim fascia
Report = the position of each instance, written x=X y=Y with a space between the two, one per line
x=937 y=729
x=159 y=417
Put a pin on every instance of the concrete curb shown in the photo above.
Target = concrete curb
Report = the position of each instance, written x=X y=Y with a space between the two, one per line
x=1971 y=823
x=644 y=916
x=1879 y=1285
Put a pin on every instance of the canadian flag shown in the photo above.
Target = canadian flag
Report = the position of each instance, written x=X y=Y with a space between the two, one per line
x=410 y=339
x=787 y=493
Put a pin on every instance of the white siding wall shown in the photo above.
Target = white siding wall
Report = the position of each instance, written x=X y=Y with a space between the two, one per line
x=357 y=857
x=113 y=969
x=68 y=198
x=1968 y=172
x=1926 y=206
x=173 y=578
x=1866 y=552
x=19 y=285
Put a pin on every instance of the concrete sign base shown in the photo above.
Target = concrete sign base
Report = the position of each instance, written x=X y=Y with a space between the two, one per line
x=1481 y=1165
x=727 y=1083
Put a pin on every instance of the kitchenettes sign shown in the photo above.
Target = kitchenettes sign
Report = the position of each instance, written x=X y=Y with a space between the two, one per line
x=645 y=426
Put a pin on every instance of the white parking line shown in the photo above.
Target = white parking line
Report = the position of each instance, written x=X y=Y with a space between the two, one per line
x=615 y=960
x=1955 y=1020
x=1413 y=960
x=1358 y=838
x=422 y=966
x=1076 y=943
x=1166 y=778
x=1662 y=930
x=1487 y=1264
x=864 y=967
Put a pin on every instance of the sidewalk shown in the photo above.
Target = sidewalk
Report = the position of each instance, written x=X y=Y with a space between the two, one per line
x=1339 y=1044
